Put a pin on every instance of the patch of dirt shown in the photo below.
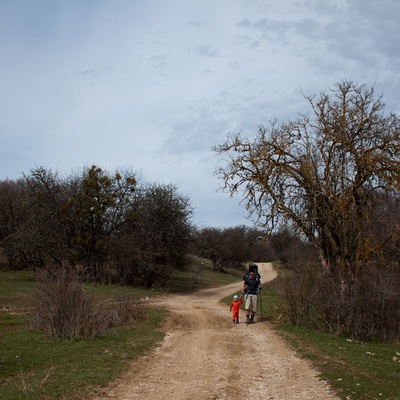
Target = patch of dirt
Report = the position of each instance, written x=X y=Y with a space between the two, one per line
x=205 y=356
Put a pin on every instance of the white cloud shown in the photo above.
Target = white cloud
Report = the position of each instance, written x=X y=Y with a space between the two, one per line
x=153 y=86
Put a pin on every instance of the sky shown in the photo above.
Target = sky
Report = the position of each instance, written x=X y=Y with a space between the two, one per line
x=151 y=86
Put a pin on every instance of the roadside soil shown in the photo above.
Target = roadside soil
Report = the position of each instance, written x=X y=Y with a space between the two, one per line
x=205 y=356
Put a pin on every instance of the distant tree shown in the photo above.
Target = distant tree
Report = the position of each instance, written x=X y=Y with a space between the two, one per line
x=45 y=231
x=114 y=230
x=97 y=206
x=9 y=214
x=210 y=244
x=259 y=246
x=232 y=246
x=236 y=246
x=156 y=234
x=67 y=220
x=290 y=248
x=317 y=175
x=13 y=221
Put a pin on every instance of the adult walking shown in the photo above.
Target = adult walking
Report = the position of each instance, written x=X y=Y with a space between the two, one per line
x=251 y=289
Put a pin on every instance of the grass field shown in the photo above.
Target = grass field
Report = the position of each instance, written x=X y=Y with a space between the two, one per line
x=34 y=367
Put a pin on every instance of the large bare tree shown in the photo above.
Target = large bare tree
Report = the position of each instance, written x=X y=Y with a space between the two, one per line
x=318 y=174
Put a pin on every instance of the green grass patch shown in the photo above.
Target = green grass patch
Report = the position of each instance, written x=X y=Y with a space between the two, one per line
x=281 y=270
x=33 y=367
x=193 y=279
x=117 y=291
x=16 y=289
x=355 y=370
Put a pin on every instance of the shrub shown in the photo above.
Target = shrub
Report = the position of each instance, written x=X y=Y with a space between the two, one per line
x=364 y=309
x=64 y=310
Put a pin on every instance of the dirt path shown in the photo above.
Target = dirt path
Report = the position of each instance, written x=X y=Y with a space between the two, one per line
x=206 y=356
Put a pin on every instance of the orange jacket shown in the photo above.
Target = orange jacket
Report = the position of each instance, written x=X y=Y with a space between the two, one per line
x=235 y=306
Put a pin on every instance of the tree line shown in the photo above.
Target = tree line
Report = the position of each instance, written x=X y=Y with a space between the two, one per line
x=111 y=228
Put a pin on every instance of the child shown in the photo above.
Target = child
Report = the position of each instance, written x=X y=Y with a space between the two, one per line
x=236 y=302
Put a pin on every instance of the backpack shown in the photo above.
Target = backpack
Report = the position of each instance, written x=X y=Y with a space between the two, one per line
x=252 y=268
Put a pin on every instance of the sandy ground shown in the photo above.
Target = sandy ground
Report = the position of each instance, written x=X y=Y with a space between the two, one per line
x=205 y=356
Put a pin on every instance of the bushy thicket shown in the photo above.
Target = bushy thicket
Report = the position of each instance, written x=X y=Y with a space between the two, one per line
x=63 y=309
x=232 y=247
x=364 y=309
x=107 y=225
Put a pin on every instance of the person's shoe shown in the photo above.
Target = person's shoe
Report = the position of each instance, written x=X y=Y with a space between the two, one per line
x=247 y=320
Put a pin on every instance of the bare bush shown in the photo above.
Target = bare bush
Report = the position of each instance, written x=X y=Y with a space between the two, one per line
x=299 y=290
x=64 y=310
x=365 y=309
x=124 y=312
x=373 y=306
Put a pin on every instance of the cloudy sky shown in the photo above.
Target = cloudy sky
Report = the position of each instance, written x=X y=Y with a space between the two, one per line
x=152 y=85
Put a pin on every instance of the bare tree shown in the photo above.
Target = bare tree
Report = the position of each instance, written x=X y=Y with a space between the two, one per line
x=96 y=207
x=46 y=229
x=317 y=174
x=156 y=234
x=210 y=244
x=14 y=217
x=233 y=246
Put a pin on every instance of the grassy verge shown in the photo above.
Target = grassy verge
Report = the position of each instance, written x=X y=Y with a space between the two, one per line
x=199 y=276
x=355 y=370
x=35 y=368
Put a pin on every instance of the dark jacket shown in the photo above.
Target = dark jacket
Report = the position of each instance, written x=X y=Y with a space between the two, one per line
x=251 y=285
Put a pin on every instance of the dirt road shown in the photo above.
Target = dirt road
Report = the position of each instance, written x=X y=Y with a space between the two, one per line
x=206 y=356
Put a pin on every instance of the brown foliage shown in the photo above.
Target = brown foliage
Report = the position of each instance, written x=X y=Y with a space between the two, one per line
x=364 y=309
x=64 y=310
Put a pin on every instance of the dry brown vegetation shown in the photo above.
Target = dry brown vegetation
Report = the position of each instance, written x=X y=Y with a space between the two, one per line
x=63 y=309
